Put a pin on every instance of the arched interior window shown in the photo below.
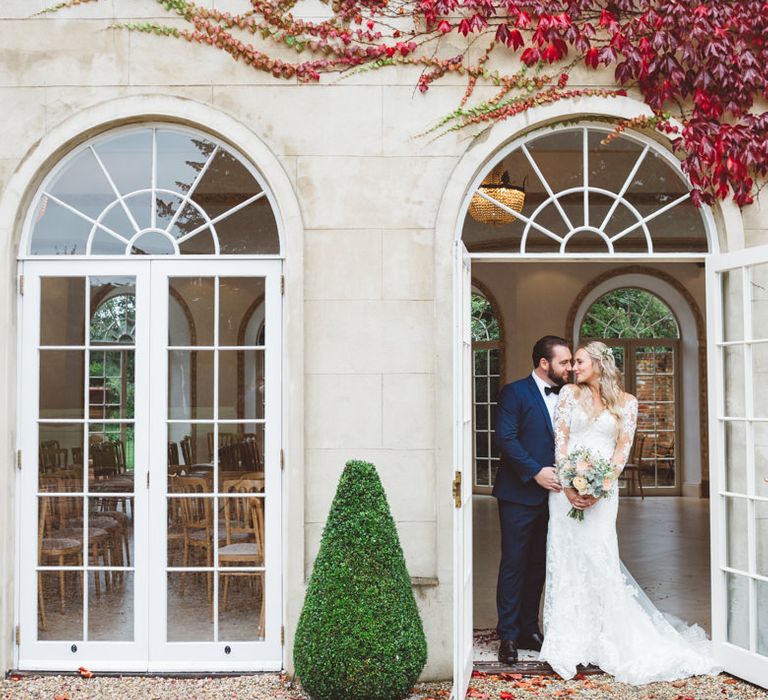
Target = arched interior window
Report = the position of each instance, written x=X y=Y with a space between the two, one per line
x=487 y=350
x=582 y=194
x=643 y=334
x=153 y=191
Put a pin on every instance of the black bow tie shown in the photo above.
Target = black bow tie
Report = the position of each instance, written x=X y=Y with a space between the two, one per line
x=552 y=390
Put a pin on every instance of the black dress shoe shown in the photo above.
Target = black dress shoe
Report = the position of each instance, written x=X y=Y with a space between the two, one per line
x=508 y=651
x=532 y=642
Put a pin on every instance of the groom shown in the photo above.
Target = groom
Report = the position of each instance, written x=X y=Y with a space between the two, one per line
x=525 y=438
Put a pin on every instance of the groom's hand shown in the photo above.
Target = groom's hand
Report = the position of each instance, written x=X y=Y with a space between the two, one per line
x=547 y=479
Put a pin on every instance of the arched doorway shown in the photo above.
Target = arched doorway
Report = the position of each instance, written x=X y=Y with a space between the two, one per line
x=150 y=528
x=599 y=201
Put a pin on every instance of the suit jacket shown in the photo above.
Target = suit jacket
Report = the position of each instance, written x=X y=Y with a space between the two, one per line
x=526 y=440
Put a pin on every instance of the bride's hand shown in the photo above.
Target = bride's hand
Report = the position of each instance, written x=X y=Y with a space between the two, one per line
x=577 y=501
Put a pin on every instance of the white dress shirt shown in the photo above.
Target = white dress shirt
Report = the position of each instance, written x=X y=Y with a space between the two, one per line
x=549 y=399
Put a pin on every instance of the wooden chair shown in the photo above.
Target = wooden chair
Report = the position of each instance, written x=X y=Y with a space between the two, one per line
x=173 y=454
x=244 y=527
x=632 y=474
x=197 y=522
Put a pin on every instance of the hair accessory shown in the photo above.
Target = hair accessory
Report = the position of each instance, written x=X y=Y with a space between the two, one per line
x=606 y=353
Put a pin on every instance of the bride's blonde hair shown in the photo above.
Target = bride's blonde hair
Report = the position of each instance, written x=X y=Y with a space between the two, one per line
x=610 y=376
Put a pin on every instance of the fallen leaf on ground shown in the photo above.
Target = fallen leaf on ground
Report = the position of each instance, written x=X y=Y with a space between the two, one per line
x=678 y=684
x=475 y=693
x=84 y=672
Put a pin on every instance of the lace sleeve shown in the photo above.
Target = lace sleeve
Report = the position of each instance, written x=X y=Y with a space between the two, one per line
x=626 y=433
x=563 y=414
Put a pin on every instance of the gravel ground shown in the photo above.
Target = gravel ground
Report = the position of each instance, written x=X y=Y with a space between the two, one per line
x=270 y=685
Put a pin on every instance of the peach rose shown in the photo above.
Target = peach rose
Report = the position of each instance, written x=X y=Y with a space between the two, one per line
x=580 y=484
x=607 y=483
x=582 y=467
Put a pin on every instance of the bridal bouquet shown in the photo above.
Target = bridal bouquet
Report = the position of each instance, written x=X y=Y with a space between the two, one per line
x=589 y=474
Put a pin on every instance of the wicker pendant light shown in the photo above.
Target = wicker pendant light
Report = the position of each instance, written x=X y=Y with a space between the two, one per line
x=498 y=187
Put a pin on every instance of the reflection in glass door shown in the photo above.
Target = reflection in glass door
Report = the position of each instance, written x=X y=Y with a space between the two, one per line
x=83 y=576
x=150 y=483
x=217 y=448
x=738 y=361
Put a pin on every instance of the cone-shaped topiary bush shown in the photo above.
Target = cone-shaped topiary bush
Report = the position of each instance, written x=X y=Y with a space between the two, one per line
x=360 y=636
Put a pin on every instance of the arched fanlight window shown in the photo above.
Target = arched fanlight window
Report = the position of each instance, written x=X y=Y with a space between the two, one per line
x=488 y=351
x=586 y=194
x=153 y=191
x=643 y=334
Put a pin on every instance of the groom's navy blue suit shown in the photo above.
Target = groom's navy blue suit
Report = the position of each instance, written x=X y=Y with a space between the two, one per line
x=525 y=438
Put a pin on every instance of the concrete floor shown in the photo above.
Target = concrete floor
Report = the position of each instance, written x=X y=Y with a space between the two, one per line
x=664 y=542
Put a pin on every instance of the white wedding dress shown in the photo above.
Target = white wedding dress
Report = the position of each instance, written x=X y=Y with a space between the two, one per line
x=594 y=612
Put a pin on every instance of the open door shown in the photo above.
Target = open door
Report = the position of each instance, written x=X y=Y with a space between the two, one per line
x=462 y=484
x=738 y=380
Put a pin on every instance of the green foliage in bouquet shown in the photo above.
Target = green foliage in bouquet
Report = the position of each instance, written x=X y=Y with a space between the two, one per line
x=360 y=636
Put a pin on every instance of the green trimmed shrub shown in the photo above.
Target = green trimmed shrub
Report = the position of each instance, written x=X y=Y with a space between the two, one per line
x=360 y=636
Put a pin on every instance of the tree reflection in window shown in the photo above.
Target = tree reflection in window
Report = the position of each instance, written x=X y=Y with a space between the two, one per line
x=629 y=313
x=487 y=352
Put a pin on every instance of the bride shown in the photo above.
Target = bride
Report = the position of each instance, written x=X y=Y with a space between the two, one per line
x=594 y=612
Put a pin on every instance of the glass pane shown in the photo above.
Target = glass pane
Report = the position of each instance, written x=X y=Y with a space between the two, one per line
x=761 y=591
x=58 y=231
x=61 y=383
x=760 y=438
x=241 y=384
x=199 y=244
x=104 y=243
x=190 y=311
x=736 y=533
x=62 y=311
x=242 y=606
x=733 y=305
x=481 y=417
x=113 y=310
x=241 y=525
x=190 y=384
x=738 y=610
x=761 y=537
x=225 y=184
x=481 y=389
x=128 y=159
x=241 y=453
x=111 y=457
x=610 y=163
x=629 y=313
x=111 y=385
x=189 y=607
x=110 y=610
x=166 y=206
x=60 y=463
x=252 y=229
x=153 y=243
x=736 y=457
x=760 y=379
x=190 y=449
x=559 y=156
x=241 y=304
x=180 y=158
x=733 y=368
x=759 y=295
x=60 y=604
x=60 y=526
x=115 y=514
x=189 y=220
x=83 y=186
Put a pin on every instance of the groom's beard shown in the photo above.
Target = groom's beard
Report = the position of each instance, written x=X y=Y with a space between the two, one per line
x=557 y=381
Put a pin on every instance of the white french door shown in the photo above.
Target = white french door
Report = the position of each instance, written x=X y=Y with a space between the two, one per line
x=150 y=488
x=216 y=393
x=463 y=478
x=738 y=378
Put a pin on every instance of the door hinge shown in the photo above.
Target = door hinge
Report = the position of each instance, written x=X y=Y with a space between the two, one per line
x=282 y=635
x=18 y=459
x=457 y=490
x=147 y=479
x=21 y=285
x=18 y=635
x=282 y=459
x=282 y=284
